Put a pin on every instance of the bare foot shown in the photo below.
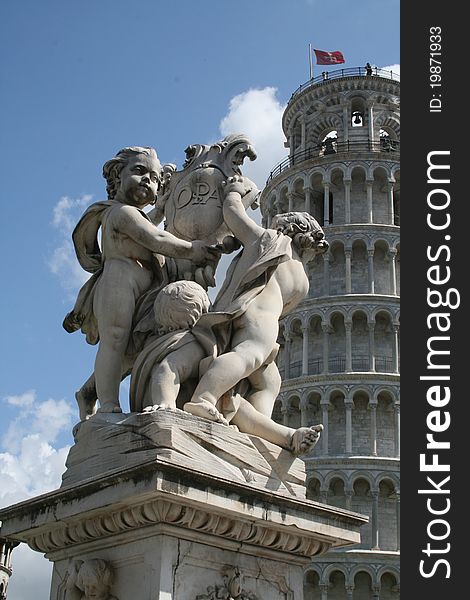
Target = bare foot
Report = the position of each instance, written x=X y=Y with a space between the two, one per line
x=305 y=438
x=86 y=404
x=206 y=410
x=155 y=407
x=109 y=407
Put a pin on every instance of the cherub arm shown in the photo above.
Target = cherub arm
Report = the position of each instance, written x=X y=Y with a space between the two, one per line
x=132 y=223
x=235 y=216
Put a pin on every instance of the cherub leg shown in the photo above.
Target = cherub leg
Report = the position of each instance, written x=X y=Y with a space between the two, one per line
x=298 y=441
x=253 y=342
x=265 y=383
x=114 y=317
x=87 y=397
x=168 y=375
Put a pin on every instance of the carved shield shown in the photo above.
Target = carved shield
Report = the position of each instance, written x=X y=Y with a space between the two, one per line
x=193 y=196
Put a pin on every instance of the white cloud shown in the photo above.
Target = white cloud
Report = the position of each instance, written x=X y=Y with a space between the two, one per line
x=258 y=113
x=63 y=261
x=31 y=466
x=394 y=68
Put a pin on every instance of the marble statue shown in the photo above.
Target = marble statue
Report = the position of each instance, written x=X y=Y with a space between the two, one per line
x=124 y=268
x=89 y=580
x=167 y=370
x=215 y=362
x=264 y=283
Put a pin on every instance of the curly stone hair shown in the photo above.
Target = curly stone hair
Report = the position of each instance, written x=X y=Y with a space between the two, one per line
x=303 y=228
x=179 y=305
x=112 y=168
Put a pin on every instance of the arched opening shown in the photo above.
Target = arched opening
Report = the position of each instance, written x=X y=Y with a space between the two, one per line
x=362 y=586
x=337 y=269
x=360 y=342
x=277 y=412
x=380 y=196
x=293 y=414
x=295 y=368
x=360 y=423
x=358 y=196
x=397 y=269
x=311 y=586
x=385 y=424
x=387 y=516
x=383 y=343
x=337 y=589
x=313 y=489
x=313 y=408
x=329 y=143
x=382 y=277
x=359 y=268
x=389 y=589
x=337 y=344
x=315 y=358
x=337 y=424
x=336 y=495
x=361 y=503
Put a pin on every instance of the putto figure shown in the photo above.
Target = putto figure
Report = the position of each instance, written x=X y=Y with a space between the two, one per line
x=90 y=580
x=124 y=267
x=263 y=284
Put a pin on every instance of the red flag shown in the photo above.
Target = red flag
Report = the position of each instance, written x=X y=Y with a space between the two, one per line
x=329 y=58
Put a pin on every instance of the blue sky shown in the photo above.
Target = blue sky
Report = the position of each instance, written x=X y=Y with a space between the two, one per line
x=79 y=81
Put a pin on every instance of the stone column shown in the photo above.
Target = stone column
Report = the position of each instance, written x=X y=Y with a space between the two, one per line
x=348 y=405
x=287 y=344
x=347 y=254
x=376 y=592
x=326 y=274
x=398 y=518
x=346 y=123
x=304 y=349
x=371 y=327
x=308 y=196
x=392 y=253
x=348 y=494
x=370 y=115
x=349 y=592
x=290 y=198
x=390 y=203
x=347 y=201
x=370 y=268
x=325 y=405
x=326 y=351
x=396 y=408
x=373 y=427
x=326 y=203
x=324 y=590
x=285 y=414
x=396 y=351
x=304 y=412
x=302 y=132
x=375 y=520
x=370 y=211
x=348 y=329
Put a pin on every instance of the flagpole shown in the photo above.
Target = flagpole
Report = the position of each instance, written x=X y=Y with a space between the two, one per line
x=310 y=60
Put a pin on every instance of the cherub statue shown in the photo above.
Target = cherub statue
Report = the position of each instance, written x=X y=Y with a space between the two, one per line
x=124 y=268
x=264 y=283
x=90 y=580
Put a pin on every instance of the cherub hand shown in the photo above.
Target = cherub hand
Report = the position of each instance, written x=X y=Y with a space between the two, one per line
x=235 y=184
x=203 y=254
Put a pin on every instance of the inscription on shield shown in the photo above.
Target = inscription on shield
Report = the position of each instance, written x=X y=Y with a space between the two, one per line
x=198 y=206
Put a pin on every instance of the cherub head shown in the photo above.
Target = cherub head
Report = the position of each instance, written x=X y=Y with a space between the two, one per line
x=95 y=578
x=133 y=176
x=179 y=305
x=307 y=235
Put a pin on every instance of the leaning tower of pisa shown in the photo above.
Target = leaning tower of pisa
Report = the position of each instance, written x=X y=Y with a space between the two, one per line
x=339 y=356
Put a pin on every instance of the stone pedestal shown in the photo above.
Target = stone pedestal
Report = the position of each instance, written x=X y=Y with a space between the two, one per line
x=181 y=509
